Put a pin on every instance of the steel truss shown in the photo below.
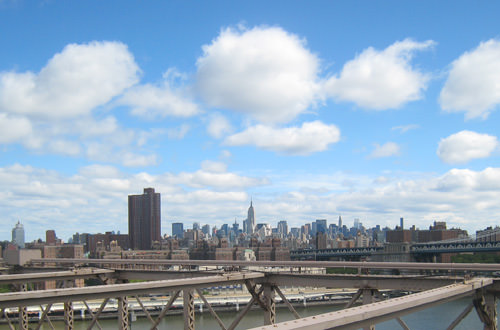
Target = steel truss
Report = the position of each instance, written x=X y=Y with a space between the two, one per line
x=263 y=289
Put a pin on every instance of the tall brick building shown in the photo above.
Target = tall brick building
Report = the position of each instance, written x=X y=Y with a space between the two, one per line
x=144 y=219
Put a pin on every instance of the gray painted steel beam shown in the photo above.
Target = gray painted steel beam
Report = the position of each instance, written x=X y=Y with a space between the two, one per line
x=63 y=275
x=322 y=264
x=119 y=290
x=358 y=317
x=380 y=282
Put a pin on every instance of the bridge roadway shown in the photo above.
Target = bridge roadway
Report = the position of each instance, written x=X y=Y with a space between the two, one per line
x=263 y=287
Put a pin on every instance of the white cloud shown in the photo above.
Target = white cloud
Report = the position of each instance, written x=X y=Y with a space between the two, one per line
x=464 y=146
x=14 y=128
x=310 y=137
x=90 y=127
x=151 y=102
x=405 y=128
x=214 y=175
x=96 y=195
x=178 y=133
x=468 y=180
x=385 y=150
x=131 y=159
x=381 y=80
x=109 y=152
x=99 y=171
x=64 y=147
x=218 y=126
x=473 y=84
x=74 y=82
x=214 y=167
x=266 y=73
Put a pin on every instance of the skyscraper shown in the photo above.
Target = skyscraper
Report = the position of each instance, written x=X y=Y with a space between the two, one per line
x=144 y=219
x=250 y=228
x=18 y=235
x=178 y=230
x=321 y=226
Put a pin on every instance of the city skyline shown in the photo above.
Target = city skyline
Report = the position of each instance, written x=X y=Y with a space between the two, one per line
x=309 y=110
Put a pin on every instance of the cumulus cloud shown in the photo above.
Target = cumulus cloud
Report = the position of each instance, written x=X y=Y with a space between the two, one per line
x=465 y=146
x=179 y=132
x=214 y=167
x=469 y=180
x=74 y=81
x=265 y=72
x=381 y=80
x=64 y=147
x=310 y=137
x=14 y=128
x=151 y=102
x=473 y=84
x=97 y=194
x=112 y=153
x=218 y=126
x=385 y=150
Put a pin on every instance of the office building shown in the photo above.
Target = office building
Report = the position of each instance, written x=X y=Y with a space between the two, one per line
x=321 y=226
x=282 y=229
x=178 y=230
x=250 y=221
x=144 y=219
x=18 y=235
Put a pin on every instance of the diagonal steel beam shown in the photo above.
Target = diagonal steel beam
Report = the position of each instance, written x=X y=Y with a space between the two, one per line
x=45 y=312
x=460 y=317
x=251 y=288
x=165 y=309
x=354 y=298
x=205 y=301
x=96 y=315
x=144 y=309
x=285 y=300
x=245 y=310
x=92 y=314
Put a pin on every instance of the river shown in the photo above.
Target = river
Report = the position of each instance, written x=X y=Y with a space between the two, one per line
x=434 y=318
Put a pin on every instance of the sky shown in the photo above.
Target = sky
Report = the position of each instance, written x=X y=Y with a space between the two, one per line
x=312 y=110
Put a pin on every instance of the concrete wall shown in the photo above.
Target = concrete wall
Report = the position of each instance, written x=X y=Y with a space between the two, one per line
x=21 y=256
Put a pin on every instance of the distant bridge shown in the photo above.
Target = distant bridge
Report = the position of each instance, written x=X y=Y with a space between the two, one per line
x=322 y=254
x=414 y=249
x=455 y=247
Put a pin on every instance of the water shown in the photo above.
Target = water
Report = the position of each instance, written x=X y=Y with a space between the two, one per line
x=437 y=317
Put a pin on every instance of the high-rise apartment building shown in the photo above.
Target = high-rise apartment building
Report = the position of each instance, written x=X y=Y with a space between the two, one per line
x=18 y=235
x=50 y=237
x=144 y=219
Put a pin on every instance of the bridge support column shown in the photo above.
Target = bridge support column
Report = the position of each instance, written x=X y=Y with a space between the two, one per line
x=68 y=315
x=123 y=319
x=23 y=318
x=188 y=298
x=23 y=312
x=368 y=298
x=270 y=302
x=486 y=308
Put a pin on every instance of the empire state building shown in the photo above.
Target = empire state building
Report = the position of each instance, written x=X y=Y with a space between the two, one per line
x=250 y=227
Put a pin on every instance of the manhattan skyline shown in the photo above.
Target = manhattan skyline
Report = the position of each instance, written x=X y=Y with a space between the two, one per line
x=370 y=111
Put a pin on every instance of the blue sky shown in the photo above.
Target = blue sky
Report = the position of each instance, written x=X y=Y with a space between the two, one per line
x=369 y=110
